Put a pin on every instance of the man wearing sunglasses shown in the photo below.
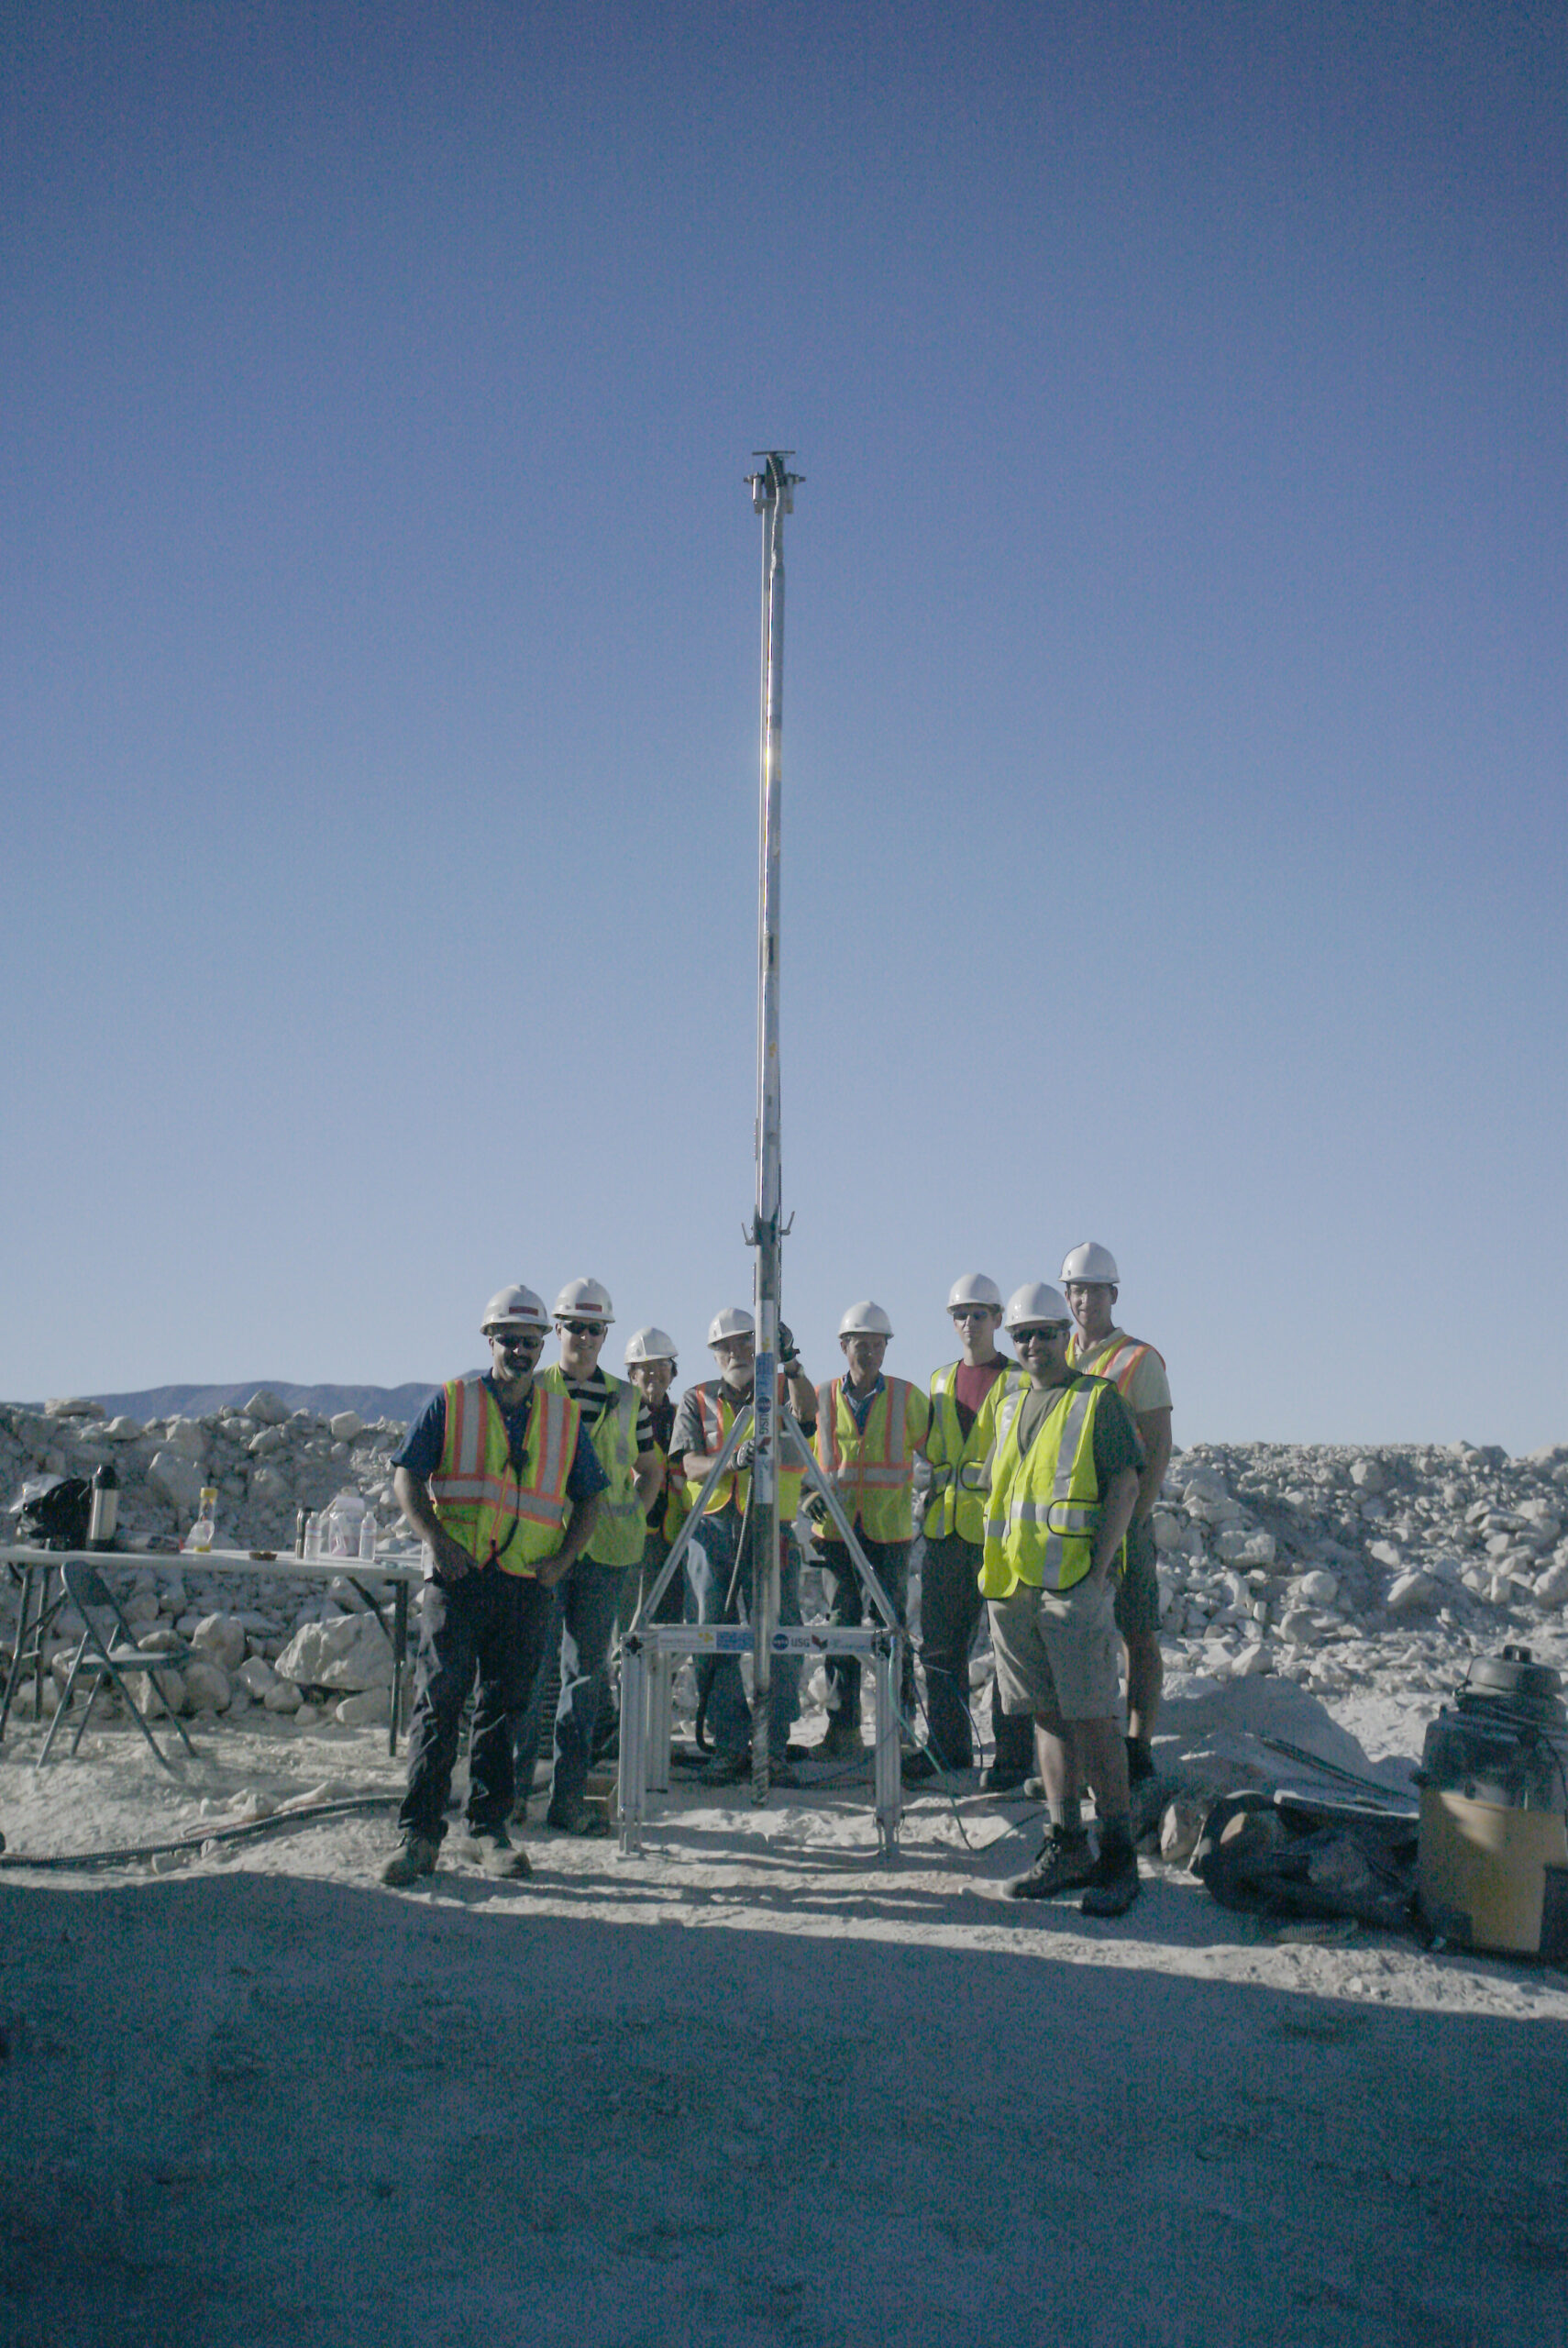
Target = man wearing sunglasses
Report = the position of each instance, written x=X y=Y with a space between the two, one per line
x=1062 y=1475
x=620 y=1427
x=501 y=1483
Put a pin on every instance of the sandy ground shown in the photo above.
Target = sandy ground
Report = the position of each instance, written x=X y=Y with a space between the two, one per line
x=748 y=2084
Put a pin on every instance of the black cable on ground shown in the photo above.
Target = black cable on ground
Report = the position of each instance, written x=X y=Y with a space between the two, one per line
x=278 y=1822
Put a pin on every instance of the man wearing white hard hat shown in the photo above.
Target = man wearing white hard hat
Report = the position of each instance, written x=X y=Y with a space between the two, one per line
x=500 y=1481
x=651 y=1361
x=950 y=1599
x=870 y=1430
x=713 y=1560
x=1091 y=1280
x=1062 y=1480
x=620 y=1428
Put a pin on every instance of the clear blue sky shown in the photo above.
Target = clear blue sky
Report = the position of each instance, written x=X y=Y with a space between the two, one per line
x=1175 y=718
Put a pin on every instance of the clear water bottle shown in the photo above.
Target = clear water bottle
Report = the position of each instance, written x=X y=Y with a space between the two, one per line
x=312 y=1536
x=367 y=1536
x=205 y=1525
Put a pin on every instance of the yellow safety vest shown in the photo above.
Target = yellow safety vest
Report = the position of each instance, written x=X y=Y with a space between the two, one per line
x=517 y=1520
x=1118 y=1362
x=955 y=1506
x=1044 y=1511
x=874 y=1471
x=621 y=1528
x=718 y=1414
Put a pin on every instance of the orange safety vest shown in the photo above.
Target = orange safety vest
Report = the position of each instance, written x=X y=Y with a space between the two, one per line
x=516 y=1519
x=873 y=1472
x=1119 y=1366
x=718 y=1414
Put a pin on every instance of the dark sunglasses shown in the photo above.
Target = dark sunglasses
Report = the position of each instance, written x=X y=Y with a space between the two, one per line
x=512 y=1341
x=581 y=1328
x=1046 y=1332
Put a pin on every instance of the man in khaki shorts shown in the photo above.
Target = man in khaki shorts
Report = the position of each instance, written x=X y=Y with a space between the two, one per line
x=1089 y=1281
x=1062 y=1475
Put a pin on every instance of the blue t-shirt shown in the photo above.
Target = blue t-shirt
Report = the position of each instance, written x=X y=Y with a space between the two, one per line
x=426 y=1439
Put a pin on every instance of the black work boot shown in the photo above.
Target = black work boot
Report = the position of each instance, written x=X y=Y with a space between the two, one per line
x=1065 y=1862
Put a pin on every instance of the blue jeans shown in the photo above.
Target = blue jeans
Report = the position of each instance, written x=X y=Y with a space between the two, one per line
x=709 y=1565
x=848 y=1605
x=587 y=1598
x=950 y=1605
x=494 y=1625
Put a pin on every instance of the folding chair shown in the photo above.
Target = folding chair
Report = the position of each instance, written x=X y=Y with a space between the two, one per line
x=108 y=1650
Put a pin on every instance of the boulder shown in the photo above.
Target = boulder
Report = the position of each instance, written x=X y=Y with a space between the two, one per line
x=155 y=1693
x=70 y=1406
x=257 y=1677
x=265 y=1407
x=1411 y=1594
x=174 y=1477
x=282 y=1697
x=189 y=1436
x=366 y=1709
x=345 y=1426
x=350 y=1653
x=206 y=1685
x=221 y=1639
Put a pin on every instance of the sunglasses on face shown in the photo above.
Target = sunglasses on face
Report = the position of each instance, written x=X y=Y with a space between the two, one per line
x=517 y=1341
x=579 y=1328
x=1046 y=1333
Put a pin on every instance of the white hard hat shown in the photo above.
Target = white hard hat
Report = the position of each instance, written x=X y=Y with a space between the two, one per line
x=974 y=1288
x=650 y=1344
x=735 y=1321
x=1093 y=1263
x=515 y=1308
x=584 y=1300
x=1033 y=1303
x=865 y=1320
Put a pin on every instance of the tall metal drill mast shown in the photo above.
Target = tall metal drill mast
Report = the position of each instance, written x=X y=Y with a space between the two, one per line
x=772 y=496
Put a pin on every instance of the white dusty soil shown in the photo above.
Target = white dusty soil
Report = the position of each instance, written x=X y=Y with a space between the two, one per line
x=750 y=2084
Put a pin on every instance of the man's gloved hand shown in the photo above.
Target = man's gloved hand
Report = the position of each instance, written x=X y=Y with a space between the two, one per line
x=789 y=1351
x=814 y=1509
x=745 y=1452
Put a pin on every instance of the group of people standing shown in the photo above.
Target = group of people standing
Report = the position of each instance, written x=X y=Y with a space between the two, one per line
x=1034 y=1476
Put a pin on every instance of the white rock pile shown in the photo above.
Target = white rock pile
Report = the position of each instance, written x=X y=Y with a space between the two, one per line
x=1334 y=1566
x=298 y=1649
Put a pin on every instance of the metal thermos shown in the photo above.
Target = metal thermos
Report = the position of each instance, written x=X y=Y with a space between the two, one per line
x=105 y=1515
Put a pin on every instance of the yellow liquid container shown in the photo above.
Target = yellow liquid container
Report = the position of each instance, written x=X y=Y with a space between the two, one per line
x=1483 y=1870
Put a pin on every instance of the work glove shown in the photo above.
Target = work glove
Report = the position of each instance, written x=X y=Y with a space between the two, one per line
x=745 y=1454
x=789 y=1351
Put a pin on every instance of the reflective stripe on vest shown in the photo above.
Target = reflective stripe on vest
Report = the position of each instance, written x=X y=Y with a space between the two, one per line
x=957 y=1506
x=717 y=1415
x=493 y=1512
x=1045 y=1507
x=618 y=1535
x=1119 y=1366
x=873 y=1471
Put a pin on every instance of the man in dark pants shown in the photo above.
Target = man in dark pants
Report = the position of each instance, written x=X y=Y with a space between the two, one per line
x=950 y=1601
x=870 y=1430
x=501 y=1483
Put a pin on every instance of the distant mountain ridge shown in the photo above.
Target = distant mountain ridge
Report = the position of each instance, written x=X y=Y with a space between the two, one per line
x=401 y=1402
